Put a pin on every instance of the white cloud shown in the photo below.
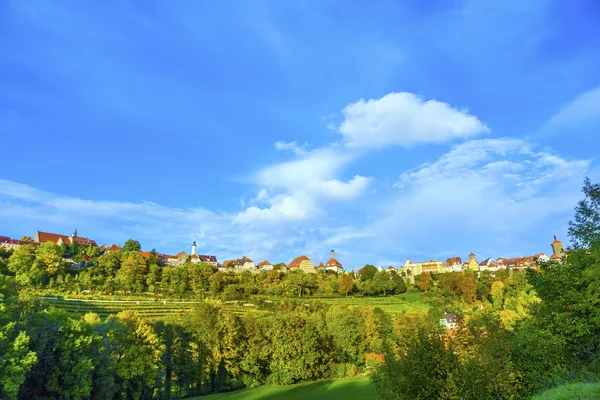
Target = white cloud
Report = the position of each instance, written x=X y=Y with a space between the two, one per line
x=406 y=120
x=292 y=146
x=494 y=187
x=302 y=186
x=586 y=107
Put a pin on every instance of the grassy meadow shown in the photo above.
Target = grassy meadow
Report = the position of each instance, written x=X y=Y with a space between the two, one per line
x=409 y=301
x=342 y=389
x=575 y=391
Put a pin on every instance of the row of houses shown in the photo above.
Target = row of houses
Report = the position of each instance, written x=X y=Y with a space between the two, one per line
x=456 y=264
x=302 y=263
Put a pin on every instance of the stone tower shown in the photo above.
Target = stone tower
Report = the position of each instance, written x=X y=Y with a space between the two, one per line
x=193 y=249
x=332 y=254
x=557 y=248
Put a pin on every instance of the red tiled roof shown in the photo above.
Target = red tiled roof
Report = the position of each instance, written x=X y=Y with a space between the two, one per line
x=113 y=247
x=333 y=263
x=204 y=258
x=85 y=241
x=264 y=263
x=55 y=237
x=296 y=261
x=145 y=254
x=454 y=261
x=52 y=237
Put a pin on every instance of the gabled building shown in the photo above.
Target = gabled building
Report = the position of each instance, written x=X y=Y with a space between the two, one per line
x=265 y=266
x=418 y=268
x=333 y=265
x=450 y=320
x=302 y=263
x=199 y=258
x=488 y=264
x=454 y=264
x=8 y=243
x=43 y=237
x=113 y=247
x=473 y=264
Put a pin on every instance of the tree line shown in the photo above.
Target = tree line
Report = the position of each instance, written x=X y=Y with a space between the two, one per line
x=45 y=267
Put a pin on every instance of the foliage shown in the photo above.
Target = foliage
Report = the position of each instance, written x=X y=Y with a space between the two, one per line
x=132 y=245
x=367 y=272
x=585 y=229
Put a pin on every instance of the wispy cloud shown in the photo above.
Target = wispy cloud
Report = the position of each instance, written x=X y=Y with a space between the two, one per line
x=583 y=109
x=491 y=187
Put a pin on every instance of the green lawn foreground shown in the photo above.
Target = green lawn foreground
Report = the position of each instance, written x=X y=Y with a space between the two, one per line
x=575 y=391
x=340 y=389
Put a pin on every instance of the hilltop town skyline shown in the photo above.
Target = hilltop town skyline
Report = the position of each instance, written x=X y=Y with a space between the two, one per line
x=197 y=255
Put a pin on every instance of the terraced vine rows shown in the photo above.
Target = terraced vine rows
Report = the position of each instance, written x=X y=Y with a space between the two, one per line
x=146 y=309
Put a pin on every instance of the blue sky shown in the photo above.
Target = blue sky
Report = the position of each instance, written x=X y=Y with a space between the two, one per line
x=385 y=130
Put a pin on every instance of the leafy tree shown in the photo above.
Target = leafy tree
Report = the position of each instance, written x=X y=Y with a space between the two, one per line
x=367 y=272
x=383 y=283
x=17 y=358
x=48 y=258
x=346 y=284
x=72 y=373
x=132 y=274
x=424 y=370
x=399 y=284
x=425 y=282
x=279 y=266
x=132 y=245
x=585 y=229
x=570 y=306
x=109 y=263
x=136 y=351
x=467 y=286
x=21 y=263
x=299 y=283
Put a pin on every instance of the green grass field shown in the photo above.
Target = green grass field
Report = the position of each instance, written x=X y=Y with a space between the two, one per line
x=575 y=391
x=409 y=301
x=342 y=389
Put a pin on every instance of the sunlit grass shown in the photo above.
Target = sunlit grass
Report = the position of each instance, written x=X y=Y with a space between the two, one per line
x=342 y=389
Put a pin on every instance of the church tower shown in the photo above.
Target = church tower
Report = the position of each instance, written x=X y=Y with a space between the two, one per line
x=332 y=254
x=193 y=249
x=557 y=248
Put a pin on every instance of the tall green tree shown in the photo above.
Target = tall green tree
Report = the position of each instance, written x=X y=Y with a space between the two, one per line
x=21 y=263
x=136 y=351
x=72 y=372
x=585 y=228
x=367 y=272
x=132 y=245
